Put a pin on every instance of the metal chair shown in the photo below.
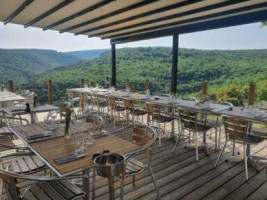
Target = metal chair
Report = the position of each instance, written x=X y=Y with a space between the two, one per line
x=43 y=187
x=97 y=121
x=238 y=130
x=133 y=109
x=158 y=114
x=143 y=136
x=114 y=109
x=189 y=121
x=71 y=97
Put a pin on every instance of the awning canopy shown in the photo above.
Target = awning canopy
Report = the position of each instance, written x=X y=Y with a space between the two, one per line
x=131 y=20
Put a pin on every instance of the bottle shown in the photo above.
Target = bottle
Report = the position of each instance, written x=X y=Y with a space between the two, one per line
x=28 y=109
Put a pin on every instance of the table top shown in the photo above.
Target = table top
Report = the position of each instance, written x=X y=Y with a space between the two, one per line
x=57 y=146
x=10 y=96
x=21 y=110
x=217 y=109
x=23 y=131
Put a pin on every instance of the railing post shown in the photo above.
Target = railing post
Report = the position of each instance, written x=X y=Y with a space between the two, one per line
x=252 y=93
x=50 y=92
x=204 y=92
x=82 y=83
x=11 y=85
x=147 y=84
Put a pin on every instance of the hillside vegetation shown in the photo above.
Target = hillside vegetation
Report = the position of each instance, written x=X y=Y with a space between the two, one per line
x=228 y=72
x=23 y=64
x=88 y=54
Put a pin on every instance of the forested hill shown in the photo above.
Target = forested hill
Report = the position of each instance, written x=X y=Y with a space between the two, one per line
x=228 y=72
x=22 y=64
x=88 y=54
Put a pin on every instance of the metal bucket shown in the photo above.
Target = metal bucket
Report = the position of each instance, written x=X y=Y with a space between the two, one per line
x=109 y=164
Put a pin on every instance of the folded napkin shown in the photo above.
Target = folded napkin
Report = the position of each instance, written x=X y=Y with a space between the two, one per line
x=69 y=158
x=38 y=136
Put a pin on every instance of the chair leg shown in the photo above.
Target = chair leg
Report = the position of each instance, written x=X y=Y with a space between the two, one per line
x=93 y=184
x=246 y=161
x=159 y=134
x=154 y=181
x=196 y=146
x=133 y=180
x=177 y=141
x=234 y=148
x=219 y=158
x=122 y=186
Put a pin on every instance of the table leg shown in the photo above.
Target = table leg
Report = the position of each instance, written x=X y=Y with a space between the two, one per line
x=34 y=118
x=86 y=185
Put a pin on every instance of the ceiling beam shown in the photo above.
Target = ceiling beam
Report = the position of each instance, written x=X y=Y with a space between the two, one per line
x=203 y=26
x=78 y=14
x=149 y=13
x=181 y=14
x=111 y=14
x=206 y=17
x=17 y=11
x=49 y=12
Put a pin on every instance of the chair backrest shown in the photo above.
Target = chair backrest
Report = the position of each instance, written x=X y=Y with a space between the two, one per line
x=153 y=109
x=111 y=102
x=188 y=118
x=142 y=136
x=98 y=122
x=129 y=104
x=70 y=94
x=235 y=129
x=10 y=185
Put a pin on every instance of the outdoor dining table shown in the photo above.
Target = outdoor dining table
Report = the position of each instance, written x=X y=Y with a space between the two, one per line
x=56 y=146
x=21 y=110
x=8 y=97
x=249 y=114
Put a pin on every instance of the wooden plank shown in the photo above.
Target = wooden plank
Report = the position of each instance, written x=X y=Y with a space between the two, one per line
x=249 y=187
x=38 y=192
x=236 y=184
x=260 y=193
x=31 y=164
x=219 y=181
x=48 y=189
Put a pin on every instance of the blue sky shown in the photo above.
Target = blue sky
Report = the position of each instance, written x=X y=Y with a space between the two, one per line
x=249 y=36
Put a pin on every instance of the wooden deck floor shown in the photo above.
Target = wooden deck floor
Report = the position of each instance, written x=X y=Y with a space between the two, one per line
x=179 y=176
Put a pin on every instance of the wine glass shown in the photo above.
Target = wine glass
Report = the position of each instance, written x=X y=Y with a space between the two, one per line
x=245 y=103
x=78 y=137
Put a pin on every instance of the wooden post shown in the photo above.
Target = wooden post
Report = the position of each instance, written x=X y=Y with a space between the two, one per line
x=147 y=84
x=174 y=63
x=11 y=85
x=50 y=92
x=82 y=83
x=252 y=93
x=204 y=90
x=113 y=62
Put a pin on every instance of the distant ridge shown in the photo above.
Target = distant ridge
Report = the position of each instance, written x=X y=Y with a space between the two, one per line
x=88 y=54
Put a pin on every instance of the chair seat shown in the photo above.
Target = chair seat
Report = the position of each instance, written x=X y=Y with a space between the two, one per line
x=134 y=167
x=260 y=131
x=162 y=118
x=76 y=99
x=119 y=108
x=138 y=112
x=55 y=190
x=251 y=139
x=24 y=164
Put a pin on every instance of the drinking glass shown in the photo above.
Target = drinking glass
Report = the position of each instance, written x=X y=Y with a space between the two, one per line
x=245 y=103
x=78 y=137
